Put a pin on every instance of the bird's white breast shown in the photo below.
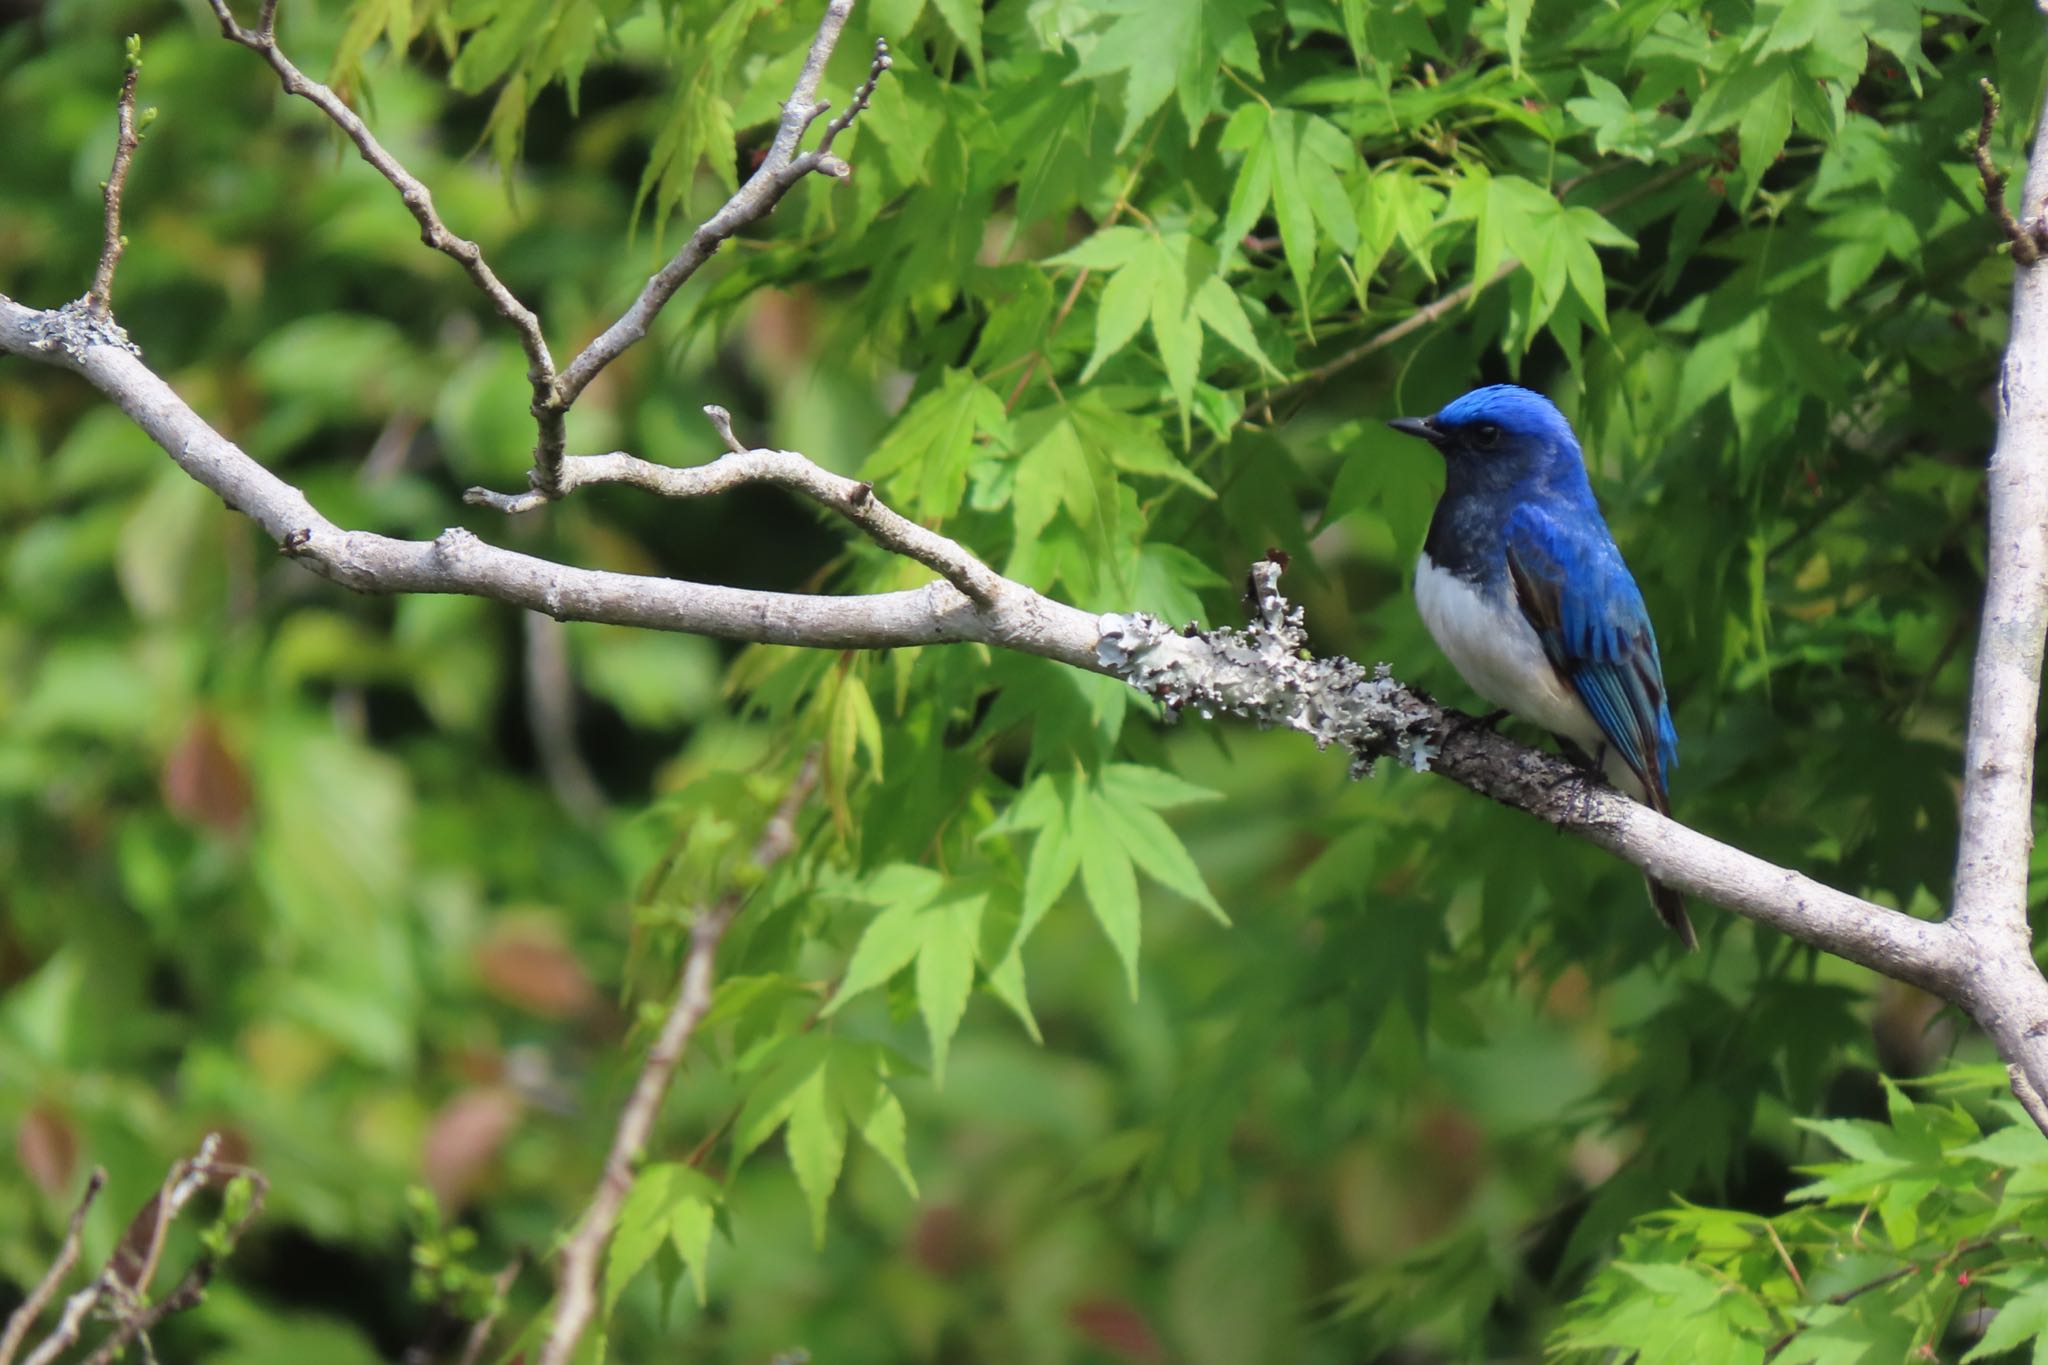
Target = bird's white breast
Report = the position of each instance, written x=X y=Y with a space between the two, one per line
x=1496 y=652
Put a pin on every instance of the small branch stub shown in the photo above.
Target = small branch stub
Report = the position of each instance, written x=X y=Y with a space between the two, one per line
x=2029 y=240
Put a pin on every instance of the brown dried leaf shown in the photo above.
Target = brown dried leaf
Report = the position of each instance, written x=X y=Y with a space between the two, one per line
x=1116 y=1327
x=526 y=963
x=464 y=1139
x=48 y=1148
x=203 y=781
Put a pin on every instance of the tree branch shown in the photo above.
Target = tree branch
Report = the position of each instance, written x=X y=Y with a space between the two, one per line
x=419 y=201
x=554 y=395
x=480 y=1334
x=551 y=717
x=577 y=1299
x=120 y=1290
x=850 y=498
x=1979 y=959
x=457 y=562
x=2004 y=989
x=24 y=1317
x=1262 y=674
x=1259 y=676
x=778 y=171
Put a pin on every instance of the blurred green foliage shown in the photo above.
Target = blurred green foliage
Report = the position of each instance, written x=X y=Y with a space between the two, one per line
x=1066 y=1035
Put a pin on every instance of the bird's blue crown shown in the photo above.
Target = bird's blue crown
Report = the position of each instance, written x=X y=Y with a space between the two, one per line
x=1514 y=409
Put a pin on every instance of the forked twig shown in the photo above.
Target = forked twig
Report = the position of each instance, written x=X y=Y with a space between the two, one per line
x=780 y=169
x=24 y=1317
x=850 y=498
x=419 y=201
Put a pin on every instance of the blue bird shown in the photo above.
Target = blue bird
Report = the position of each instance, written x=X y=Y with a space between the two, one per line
x=1522 y=587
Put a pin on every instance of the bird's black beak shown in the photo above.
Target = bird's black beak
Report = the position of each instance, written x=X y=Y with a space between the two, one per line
x=1424 y=427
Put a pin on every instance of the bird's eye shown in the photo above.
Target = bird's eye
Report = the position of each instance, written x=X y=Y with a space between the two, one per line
x=1485 y=435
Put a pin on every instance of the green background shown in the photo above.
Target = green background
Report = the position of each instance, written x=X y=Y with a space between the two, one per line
x=385 y=890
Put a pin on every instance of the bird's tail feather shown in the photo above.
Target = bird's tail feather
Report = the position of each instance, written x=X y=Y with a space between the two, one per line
x=1670 y=906
x=1671 y=909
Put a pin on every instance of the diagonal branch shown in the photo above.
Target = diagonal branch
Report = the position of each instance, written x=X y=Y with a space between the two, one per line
x=99 y=300
x=577 y=1299
x=419 y=201
x=1265 y=674
x=120 y=1290
x=24 y=1317
x=554 y=394
x=458 y=562
x=778 y=171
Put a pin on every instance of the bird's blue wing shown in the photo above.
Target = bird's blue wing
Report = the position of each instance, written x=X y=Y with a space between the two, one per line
x=1572 y=586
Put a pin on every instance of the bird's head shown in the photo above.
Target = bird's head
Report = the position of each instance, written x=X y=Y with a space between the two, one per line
x=1502 y=433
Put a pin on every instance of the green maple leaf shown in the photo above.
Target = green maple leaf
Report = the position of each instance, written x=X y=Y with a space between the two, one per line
x=1162 y=46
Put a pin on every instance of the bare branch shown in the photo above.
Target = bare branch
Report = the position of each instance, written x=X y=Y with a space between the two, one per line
x=99 y=300
x=419 y=201
x=24 y=1317
x=69 y=1325
x=138 y=1318
x=554 y=395
x=457 y=562
x=1262 y=676
x=851 y=498
x=778 y=171
x=2029 y=1098
x=120 y=1289
x=864 y=92
x=2005 y=992
x=577 y=1298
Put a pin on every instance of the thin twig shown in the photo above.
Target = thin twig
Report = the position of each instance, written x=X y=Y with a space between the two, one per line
x=480 y=1334
x=138 y=1316
x=577 y=1299
x=1116 y=211
x=99 y=300
x=120 y=1289
x=779 y=170
x=38 y=1298
x=419 y=201
x=65 y=1335
x=2027 y=244
x=1892 y=1276
x=1785 y=1257
x=1387 y=336
x=850 y=498
x=191 y=1289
